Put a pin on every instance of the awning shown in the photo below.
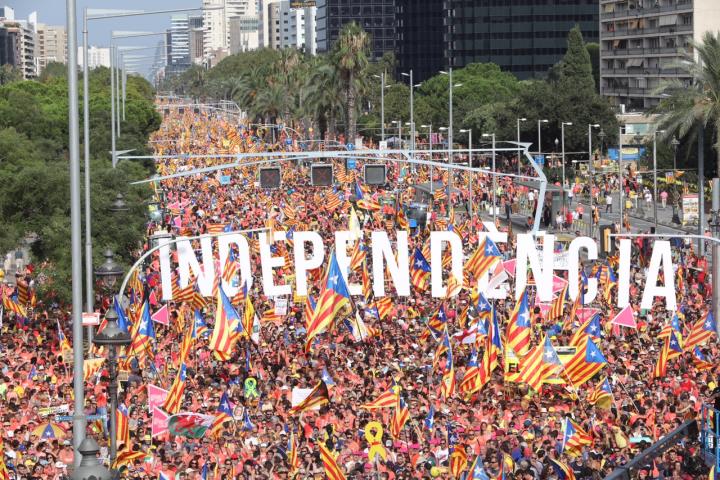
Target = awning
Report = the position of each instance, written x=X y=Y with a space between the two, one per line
x=634 y=63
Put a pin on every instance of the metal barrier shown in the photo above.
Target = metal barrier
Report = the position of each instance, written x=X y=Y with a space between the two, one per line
x=645 y=458
x=709 y=434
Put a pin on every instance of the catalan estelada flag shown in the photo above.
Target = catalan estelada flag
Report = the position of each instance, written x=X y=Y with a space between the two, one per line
x=123 y=425
x=675 y=347
x=127 y=456
x=224 y=414
x=11 y=305
x=199 y=325
x=458 y=460
x=318 y=396
x=227 y=322
x=332 y=470
x=231 y=267
x=538 y=365
x=483 y=259
x=601 y=395
x=562 y=471
x=419 y=271
x=333 y=298
x=143 y=333
x=493 y=347
x=471 y=379
x=292 y=454
x=558 y=305
x=399 y=418
x=590 y=327
x=517 y=336
x=4 y=474
x=587 y=361
x=447 y=384
x=177 y=391
x=700 y=332
x=699 y=360
x=574 y=438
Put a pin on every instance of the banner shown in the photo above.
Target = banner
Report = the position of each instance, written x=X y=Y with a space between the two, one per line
x=156 y=397
x=189 y=425
x=690 y=208
x=629 y=154
x=159 y=422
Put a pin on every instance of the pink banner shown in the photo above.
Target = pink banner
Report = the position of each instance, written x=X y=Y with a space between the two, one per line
x=162 y=316
x=159 y=422
x=156 y=396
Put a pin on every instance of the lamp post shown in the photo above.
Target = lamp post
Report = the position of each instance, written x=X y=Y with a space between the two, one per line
x=590 y=164
x=601 y=136
x=470 y=176
x=675 y=144
x=382 y=104
x=494 y=187
x=90 y=467
x=655 y=217
x=620 y=176
x=562 y=146
x=539 y=123
x=412 y=109
x=75 y=229
x=450 y=112
x=518 y=141
x=112 y=336
x=429 y=127
x=449 y=171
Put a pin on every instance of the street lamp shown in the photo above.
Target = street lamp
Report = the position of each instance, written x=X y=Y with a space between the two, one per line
x=429 y=127
x=113 y=337
x=449 y=171
x=518 y=141
x=470 y=176
x=675 y=144
x=90 y=467
x=450 y=110
x=655 y=217
x=590 y=164
x=494 y=187
x=382 y=104
x=412 y=109
x=109 y=272
x=540 y=122
x=562 y=136
x=119 y=204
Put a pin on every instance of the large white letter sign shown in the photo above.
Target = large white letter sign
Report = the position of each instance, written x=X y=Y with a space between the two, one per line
x=623 y=286
x=574 y=268
x=342 y=239
x=224 y=242
x=543 y=275
x=661 y=255
x=399 y=270
x=187 y=261
x=302 y=263
x=165 y=272
x=268 y=263
x=436 y=270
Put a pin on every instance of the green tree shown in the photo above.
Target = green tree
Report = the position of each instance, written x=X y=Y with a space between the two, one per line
x=9 y=74
x=593 y=50
x=53 y=70
x=685 y=108
x=351 y=57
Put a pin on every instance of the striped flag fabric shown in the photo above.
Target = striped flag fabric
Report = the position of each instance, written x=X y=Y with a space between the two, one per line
x=700 y=361
x=538 y=365
x=333 y=298
x=558 y=306
x=318 y=396
x=358 y=256
x=399 y=418
x=91 y=367
x=601 y=395
x=143 y=333
x=483 y=259
x=458 y=460
x=122 y=428
x=332 y=470
x=562 y=471
x=4 y=473
x=224 y=414
x=387 y=399
x=366 y=283
x=471 y=379
x=227 y=322
x=231 y=267
x=700 y=332
x=10 y=305
x=574 y=438
x=127 y=456
x=384 y=307
x=661 y=364
x=477 y=470
x=517 y=336
x=493 y=348
x=199 y=325
x=675 y=346
x=292 y=454
x=419 y=271
x=447 y=384
x=590 y=327
x=587 y=361
x=177 y=391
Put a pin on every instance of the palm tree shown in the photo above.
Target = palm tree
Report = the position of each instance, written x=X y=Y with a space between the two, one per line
x=321 y=97
x=687 y=108
x=351 y=57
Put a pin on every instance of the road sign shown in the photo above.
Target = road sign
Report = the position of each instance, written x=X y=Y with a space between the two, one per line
x=70 y=418
x=351 y=163
x=90 y=319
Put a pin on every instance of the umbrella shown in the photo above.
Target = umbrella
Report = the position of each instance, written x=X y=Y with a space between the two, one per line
x=49 y=430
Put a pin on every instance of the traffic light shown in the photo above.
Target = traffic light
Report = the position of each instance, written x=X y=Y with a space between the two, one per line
x=270 y=177
x=321 y=175
x=375 y=174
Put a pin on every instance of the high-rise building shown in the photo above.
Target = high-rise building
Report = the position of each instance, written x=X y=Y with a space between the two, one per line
x=8 y=47
x=179 y=40
x=641 y=43
x=420 y=37
x=24 y=44
x=197 y=38
x=523 y=37
x=7 y=13
x=97 y=57
x=221 y=29
x=51 y=45
x=377 y=17
x=288 y=24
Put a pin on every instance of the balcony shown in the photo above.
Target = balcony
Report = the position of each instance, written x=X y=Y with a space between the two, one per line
x=641 y=72
x=639 y=32
x=642 y=52
x=628 y=92
x=644 y=12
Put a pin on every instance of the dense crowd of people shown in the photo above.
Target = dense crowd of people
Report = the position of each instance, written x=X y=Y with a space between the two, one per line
x=505 y=429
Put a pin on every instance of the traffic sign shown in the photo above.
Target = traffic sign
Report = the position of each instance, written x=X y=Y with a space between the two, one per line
x=90 y=319
x=70 y=418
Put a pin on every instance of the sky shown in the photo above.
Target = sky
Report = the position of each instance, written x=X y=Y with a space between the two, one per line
x=52 y=12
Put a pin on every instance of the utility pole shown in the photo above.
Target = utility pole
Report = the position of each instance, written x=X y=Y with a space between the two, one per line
x=715 y=226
